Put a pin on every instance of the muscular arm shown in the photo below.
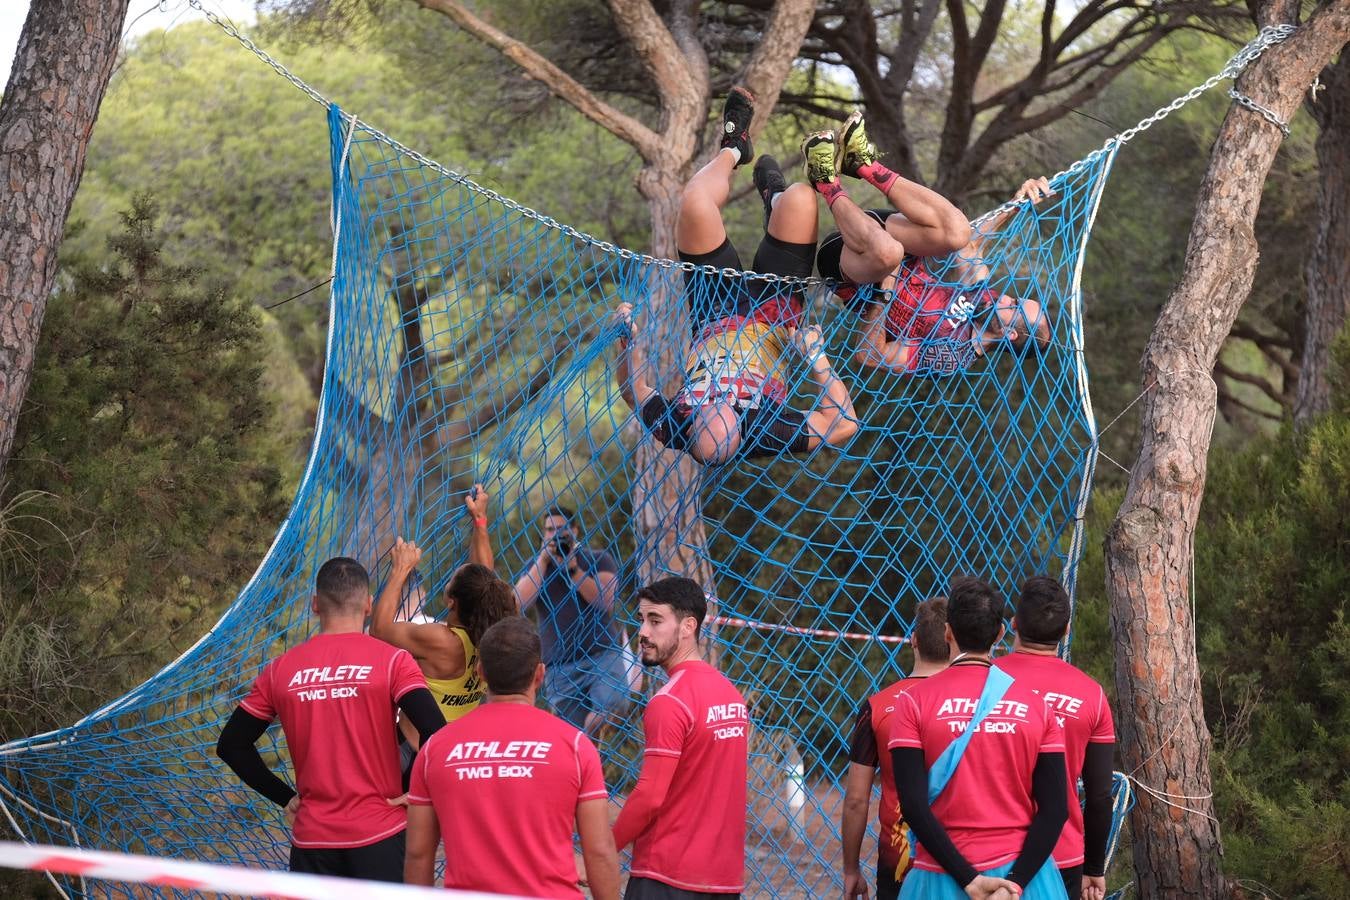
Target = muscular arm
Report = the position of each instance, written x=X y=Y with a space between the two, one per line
x=480 y=546
x=833 y=421
x=597 y=849
x=527 y=587
x=1048 y=789
x=658 y=771
x=631 y=373
x=911 y=781
x=877 y=349
x=597 y=589
x=928 y=223
x=419 y=859
x=237 y=748
x=1097 y=808
x=853 y=821
x=423 y=641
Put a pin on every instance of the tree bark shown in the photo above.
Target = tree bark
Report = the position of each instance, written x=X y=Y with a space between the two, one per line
x=1165 y=742
x=1328 y=268
x=61 y=70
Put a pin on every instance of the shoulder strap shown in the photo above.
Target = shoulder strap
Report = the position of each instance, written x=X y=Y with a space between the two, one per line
x=996 y=684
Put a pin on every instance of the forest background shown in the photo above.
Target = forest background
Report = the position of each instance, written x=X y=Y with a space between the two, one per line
x=202 y=220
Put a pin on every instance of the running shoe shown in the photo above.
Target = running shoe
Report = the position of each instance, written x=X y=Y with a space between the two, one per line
x=820 y=151
x=857 y=150
x=737 y=112
x=769 y=181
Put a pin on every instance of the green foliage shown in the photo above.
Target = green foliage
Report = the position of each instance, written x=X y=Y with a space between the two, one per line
x=147 y=476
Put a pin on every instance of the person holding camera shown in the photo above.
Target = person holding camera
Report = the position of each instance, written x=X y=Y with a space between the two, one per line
x=574 y=587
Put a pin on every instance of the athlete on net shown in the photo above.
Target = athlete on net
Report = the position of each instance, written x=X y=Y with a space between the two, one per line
x=911 y=321
x=734 y=399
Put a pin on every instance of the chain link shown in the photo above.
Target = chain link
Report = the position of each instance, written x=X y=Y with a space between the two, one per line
x=1262 y=111
x=1264 y=40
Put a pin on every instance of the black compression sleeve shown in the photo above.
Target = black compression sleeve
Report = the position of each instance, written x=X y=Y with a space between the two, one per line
x=911 y=782
x=421 y=709
x=1049 y=788
x=1097 y=810
x=236 y=748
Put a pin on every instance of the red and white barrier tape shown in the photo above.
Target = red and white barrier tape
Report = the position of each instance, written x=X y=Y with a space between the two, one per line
x=172 y=873
x=807 y=632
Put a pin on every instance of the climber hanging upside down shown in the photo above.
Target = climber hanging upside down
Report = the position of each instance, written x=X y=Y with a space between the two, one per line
x=734 y=401
x=911 y=321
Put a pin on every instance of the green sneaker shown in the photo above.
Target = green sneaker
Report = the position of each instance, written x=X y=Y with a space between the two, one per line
x=820 y=151
x=857 y=150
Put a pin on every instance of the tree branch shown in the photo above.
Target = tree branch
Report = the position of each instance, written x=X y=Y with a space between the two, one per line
x=1222 y=368
x=563 y=86
x=768 y=66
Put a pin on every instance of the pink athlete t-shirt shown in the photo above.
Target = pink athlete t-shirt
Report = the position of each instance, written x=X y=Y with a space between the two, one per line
x=986 y=808
x=1080 y=708
x=505 y=781
x=696 y=841
x=335 y=695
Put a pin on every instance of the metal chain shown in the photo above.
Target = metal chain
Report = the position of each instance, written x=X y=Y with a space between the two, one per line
x=1263 y=112
x=1264 y=40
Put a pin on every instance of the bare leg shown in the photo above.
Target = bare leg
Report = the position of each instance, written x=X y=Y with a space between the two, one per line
x=794 y=219
x=699 y=229
x=871 y=252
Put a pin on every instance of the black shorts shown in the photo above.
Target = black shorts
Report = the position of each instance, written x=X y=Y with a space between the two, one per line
x=887 y=887
x=651 y=889
x=832 y=249
x=380 y=861
x=714 y=297
x=768 y=430
x=1073 y=880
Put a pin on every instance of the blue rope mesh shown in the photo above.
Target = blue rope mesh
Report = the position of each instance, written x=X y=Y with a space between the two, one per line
x=470 y=341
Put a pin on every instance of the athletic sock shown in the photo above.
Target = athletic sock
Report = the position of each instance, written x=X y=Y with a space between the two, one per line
x=830 y=190
x=877 y=175
x=735 y=155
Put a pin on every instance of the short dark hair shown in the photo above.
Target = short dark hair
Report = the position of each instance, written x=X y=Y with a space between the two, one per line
x=682 y=595
x=342 y=585
x=930 y=637
x=975 y=613
x=481 y=598
x=509 y=654
x=1042 y=611
x=562 y=512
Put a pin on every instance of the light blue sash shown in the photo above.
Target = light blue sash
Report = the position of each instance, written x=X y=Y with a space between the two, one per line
x=996 y=684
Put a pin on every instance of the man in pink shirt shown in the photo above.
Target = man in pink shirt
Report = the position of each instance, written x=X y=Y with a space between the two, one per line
x=979 y=766
x=869 y=754
x=686 y=815
x=1079 y=704
x=335 y=695
x=505 y=785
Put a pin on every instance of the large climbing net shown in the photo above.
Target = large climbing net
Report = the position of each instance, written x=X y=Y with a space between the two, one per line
x=469 y=342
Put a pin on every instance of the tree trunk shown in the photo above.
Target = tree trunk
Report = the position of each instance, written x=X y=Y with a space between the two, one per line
x=1328 y=269
x=61 y=69
x=1164 y=739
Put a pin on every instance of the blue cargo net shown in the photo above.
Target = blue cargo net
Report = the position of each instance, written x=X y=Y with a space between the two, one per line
x=471 y=340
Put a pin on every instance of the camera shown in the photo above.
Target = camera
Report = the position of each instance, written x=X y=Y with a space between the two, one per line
x=563 y=543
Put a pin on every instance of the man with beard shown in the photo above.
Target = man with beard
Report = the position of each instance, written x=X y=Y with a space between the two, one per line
x=686 y=816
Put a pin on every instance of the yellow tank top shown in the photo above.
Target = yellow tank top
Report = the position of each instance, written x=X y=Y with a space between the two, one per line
x=459 y=696
x=741 y=361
